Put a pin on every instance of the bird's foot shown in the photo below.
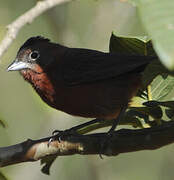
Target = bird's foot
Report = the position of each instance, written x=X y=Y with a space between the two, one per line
x=60 y=135
x=105 y=142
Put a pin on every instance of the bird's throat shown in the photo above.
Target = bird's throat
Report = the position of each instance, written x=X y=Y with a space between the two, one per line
x=41 y=83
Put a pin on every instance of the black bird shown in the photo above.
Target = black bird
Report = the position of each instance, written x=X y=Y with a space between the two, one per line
x=81 y=82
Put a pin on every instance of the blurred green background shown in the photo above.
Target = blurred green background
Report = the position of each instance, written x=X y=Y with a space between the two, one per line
x=85 y=24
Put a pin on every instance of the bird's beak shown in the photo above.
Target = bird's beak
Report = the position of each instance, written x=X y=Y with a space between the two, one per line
x=17 y=65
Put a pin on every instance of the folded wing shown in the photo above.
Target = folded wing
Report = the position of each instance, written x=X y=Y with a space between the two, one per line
x=88 y=66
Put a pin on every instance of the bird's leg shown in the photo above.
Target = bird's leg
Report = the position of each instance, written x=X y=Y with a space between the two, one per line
x=114 y=125
x=117 y=120
x=111 y=130
x=76 y=128
x=58 y=134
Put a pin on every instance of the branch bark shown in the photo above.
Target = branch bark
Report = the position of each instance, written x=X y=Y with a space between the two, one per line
x=122 y=141
x=26 y=18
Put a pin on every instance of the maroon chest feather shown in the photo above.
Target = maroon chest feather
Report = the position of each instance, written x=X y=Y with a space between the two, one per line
x=42 y=84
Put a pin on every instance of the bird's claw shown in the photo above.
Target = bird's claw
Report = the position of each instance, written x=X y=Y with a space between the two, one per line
x=56 y=132
x=57 y=135
x=49 y=142
x=105 y=142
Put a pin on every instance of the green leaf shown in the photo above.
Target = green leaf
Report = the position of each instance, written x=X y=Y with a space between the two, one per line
x=47 y=161
x=2 y=177
x=157 y=18
x=169 y=104
x=2 y=123
x=131 y=45
x=162 y=85
x=152 y=71
x=167 y=108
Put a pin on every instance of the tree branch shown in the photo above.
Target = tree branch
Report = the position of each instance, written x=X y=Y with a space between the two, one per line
x=122 y=141
x=26 y=18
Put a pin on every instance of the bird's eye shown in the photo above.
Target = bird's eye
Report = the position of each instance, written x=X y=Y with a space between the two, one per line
x=34 y=55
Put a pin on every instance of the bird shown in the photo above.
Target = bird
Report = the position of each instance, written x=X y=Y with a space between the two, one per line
x=81 y=82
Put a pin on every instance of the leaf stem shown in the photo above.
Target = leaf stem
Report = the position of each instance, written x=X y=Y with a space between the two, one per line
x=149 y=93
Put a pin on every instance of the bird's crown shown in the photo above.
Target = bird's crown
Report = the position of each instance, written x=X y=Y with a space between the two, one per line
x=33 y=40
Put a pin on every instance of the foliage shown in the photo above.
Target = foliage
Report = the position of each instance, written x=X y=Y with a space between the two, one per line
x=47 y=162
x=2 y=177
x=157 y=18
x=157 y=84
x=2 y=123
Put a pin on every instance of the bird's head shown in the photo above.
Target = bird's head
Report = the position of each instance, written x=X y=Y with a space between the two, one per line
x=34 y=55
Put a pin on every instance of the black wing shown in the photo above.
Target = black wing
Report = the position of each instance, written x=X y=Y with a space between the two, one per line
x=87 y=66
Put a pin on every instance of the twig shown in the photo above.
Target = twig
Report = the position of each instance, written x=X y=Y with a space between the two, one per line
x=122 y=141
x=26 y=18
